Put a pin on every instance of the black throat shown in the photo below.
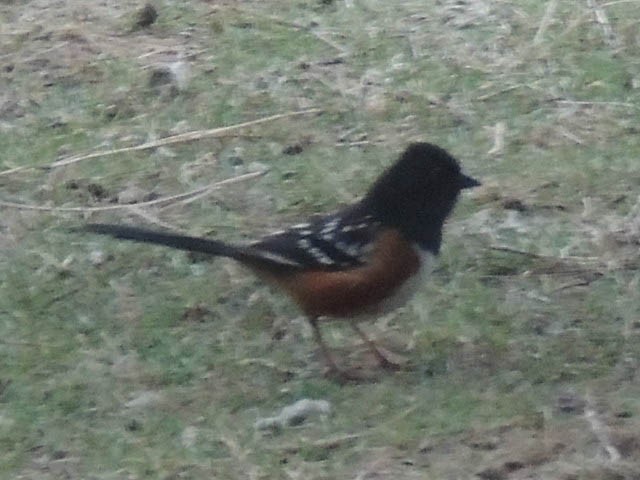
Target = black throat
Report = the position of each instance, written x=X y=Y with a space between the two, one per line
x=420 y=225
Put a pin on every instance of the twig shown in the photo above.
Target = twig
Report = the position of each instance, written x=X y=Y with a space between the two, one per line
x=331 y=43
x=152 y=219
x=546 y=20
x=394 y=419
x=500 y=248
x=535 y=273
x=37 y=55
x=168 y=50
x=353 y=144
x=171 y=198
x=180 y=138
x=183 y=137
x=198 y=195
x=581 y=283
x=487 y=96
x=600 y=431
x=13 y=170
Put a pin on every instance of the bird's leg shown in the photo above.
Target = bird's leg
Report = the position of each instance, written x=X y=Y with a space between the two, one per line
x=334 y=369
x=385 y=358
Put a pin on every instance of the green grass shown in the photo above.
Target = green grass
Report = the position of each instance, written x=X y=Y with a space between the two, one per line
x=154 y=364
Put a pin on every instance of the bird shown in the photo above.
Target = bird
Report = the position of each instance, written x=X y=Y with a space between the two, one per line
x=358 y=262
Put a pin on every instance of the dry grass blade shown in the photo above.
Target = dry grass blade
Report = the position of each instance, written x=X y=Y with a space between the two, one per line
x=152 y=219
x=168 y=199
x=552 y=265
x=595 y=104
x=180 y=138
x=600 y=430
x=545 y=22
x=13 y=170
x=498 y=139
x=508 y=89
x=183 y=137
x=601 y=17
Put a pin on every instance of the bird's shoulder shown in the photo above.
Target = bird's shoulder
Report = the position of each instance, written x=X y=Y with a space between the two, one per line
x=335 y=241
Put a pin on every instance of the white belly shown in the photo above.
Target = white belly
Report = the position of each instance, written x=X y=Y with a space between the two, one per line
x=407 y=290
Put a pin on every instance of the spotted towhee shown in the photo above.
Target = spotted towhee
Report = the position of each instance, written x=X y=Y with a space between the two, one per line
x=363 y=260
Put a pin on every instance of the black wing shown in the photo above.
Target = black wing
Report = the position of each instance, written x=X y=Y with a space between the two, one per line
x=334 y=241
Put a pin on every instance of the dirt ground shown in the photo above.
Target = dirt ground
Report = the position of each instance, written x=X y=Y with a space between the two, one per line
x=47 y=47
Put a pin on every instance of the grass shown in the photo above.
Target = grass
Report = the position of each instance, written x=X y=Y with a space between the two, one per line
x=124 y=361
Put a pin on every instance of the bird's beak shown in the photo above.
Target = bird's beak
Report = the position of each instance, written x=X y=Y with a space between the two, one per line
x=468 y=182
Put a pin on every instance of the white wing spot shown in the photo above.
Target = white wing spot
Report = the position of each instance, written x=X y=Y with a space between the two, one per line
x=353 y=250
x=274 y=257
x=357 y=226
x=320 y=256
x=315 y=252
x=304 y=244
x=329 y=237
x=329 y=227
x=300 y=226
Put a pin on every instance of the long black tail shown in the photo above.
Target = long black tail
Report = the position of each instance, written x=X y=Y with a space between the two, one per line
x=181 y=242
x=251 y=257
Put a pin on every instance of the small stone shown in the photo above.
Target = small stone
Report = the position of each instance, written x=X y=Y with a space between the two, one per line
x=97 y=257
x=189 y=436
x=294 y=414
x=131 y=194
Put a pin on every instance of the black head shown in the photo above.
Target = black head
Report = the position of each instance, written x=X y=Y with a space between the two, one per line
x=418 y=192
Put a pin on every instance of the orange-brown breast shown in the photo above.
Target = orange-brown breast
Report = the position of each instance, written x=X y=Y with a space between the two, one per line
x=357 y=291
